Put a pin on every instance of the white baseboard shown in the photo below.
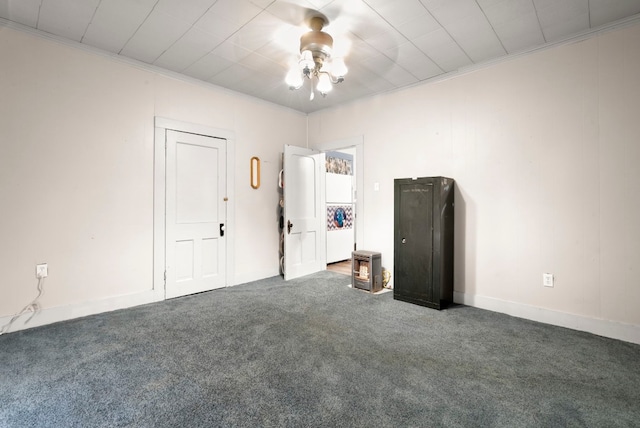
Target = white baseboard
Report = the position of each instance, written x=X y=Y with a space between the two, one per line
x=254 y=276
x=64 y=313
x=78 y=310
x=601 y=327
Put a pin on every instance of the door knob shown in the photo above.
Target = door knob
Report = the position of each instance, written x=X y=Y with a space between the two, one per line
x=404 y=240
x=289 y=226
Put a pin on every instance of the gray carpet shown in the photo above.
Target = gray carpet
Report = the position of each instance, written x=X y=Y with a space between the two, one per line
x=313 y=353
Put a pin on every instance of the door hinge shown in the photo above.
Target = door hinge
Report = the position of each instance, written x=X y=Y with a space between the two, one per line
x=165 y=276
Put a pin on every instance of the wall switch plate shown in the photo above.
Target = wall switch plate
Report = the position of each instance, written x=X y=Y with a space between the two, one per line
x=547 y=279
x=42 y=270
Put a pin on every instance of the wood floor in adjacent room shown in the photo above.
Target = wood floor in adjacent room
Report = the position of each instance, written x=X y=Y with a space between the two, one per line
x=343 y=267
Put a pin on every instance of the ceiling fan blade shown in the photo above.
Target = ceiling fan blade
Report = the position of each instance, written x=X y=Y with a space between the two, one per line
x=294 y=14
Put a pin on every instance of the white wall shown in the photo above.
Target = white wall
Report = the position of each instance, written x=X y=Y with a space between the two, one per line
x=544 y=149
x=545 y=152
x=76 y=174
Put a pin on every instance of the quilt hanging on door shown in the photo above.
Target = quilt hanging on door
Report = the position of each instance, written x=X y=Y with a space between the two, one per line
x=339 y=217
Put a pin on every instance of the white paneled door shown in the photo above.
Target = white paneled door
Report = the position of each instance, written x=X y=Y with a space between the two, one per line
x=195 y=213
x=304 y=212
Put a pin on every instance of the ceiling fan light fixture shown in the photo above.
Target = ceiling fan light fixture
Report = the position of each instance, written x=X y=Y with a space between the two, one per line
x=315 y=60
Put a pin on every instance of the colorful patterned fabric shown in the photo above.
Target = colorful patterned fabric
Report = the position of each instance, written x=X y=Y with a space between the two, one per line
x=339 y=217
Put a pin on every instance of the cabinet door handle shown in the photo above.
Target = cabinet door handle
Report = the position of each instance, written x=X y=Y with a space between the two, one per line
x=289 y=226
x=404 y=240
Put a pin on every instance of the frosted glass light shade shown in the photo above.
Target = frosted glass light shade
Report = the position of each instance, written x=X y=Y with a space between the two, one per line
x=294 y=78
x=306 y=61
x=324 y=83
x=338 y=67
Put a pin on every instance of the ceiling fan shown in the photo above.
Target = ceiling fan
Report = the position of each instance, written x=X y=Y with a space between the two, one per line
x=316 y=61
x=319 y=40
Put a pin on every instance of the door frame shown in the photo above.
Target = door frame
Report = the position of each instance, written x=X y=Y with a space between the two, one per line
x=161 y=126
x=358 y=143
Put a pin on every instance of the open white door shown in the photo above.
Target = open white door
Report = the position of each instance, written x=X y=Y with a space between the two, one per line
x=304 y=212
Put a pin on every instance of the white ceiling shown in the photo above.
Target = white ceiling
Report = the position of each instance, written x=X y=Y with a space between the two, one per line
x=247 y=45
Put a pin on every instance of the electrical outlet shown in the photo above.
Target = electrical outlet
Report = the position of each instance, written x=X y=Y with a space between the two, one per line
x=42 y=270
x=547 y=279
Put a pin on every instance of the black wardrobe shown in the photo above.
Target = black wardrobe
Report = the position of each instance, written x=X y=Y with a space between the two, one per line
x=423 y=241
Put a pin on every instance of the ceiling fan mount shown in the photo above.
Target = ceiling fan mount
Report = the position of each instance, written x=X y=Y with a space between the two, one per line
x=319 y=43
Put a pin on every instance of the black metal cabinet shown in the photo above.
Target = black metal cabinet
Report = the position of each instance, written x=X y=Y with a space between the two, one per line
x=423 y=241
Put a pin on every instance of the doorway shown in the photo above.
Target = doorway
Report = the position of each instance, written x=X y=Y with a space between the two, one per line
x=355 y=148
x=340 y=206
